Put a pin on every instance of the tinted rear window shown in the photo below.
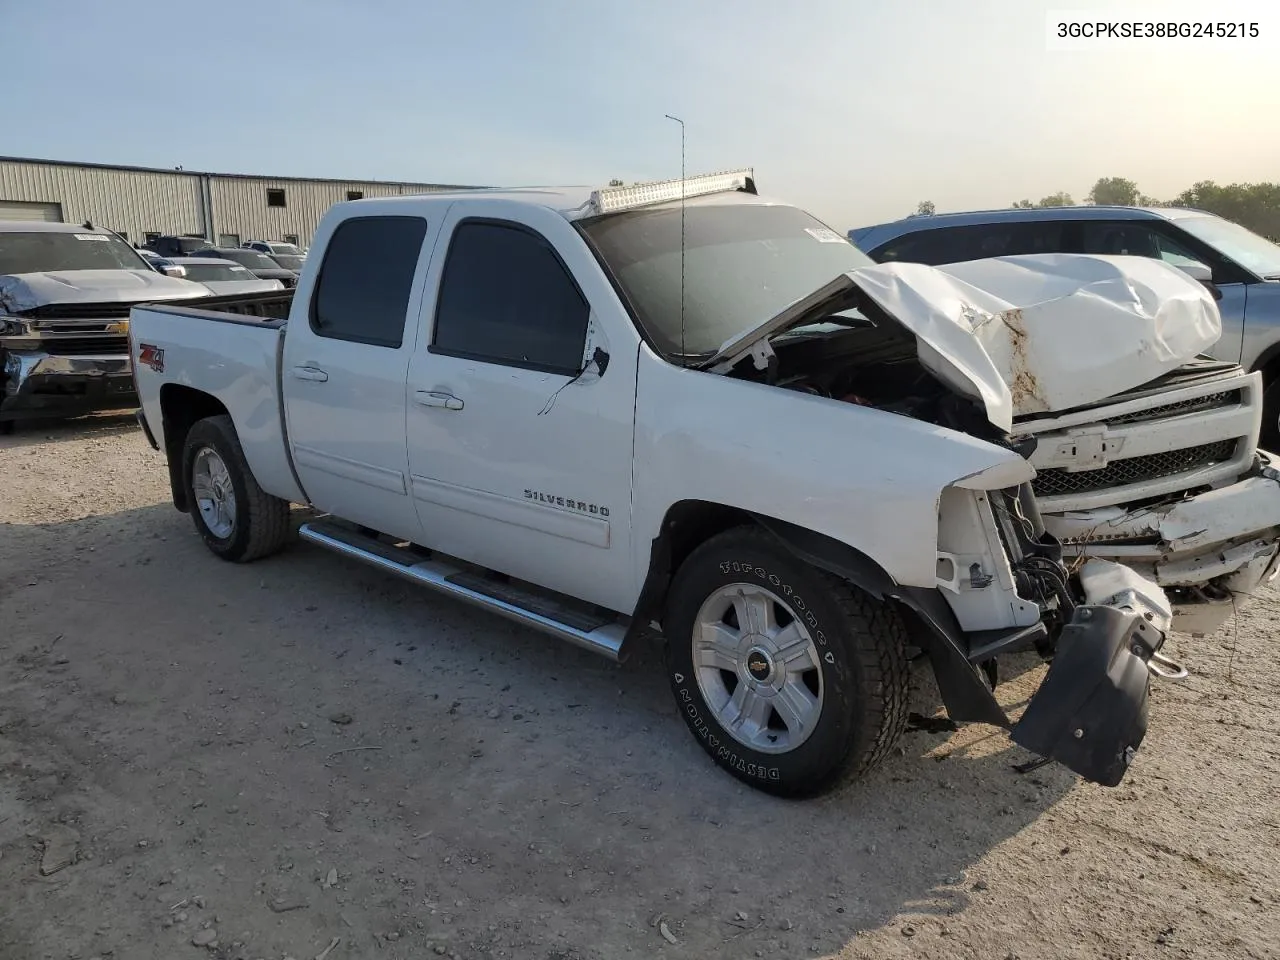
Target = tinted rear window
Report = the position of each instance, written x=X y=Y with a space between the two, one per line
x=366 y=280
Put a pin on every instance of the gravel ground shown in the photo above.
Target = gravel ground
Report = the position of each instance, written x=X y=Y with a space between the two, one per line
x=261 y=761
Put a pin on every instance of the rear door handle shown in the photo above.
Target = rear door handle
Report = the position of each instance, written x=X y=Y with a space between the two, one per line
x=430 y=398
x=308 y=372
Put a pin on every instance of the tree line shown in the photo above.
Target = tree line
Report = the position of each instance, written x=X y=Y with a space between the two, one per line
x=1253 y=205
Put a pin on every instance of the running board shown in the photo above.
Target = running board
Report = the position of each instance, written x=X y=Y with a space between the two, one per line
x=541 y=611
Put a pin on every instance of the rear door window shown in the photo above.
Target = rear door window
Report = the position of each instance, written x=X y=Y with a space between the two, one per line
x=365 y=282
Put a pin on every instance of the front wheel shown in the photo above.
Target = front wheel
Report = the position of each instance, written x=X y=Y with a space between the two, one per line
x=792 y=679
x=237 y=519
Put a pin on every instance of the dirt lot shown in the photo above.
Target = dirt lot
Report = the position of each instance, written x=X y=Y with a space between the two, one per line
x=258 y=761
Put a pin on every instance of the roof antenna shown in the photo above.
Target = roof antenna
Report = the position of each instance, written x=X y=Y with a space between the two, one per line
x=684 y=359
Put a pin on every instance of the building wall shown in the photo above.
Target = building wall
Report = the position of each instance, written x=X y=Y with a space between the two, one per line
x=137 y=201
x=240 y=204
x=125 y=200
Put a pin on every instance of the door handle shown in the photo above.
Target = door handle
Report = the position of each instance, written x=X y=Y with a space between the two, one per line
x=308 y=372
x=446 y=401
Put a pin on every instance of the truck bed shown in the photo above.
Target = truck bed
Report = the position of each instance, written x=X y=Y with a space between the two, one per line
x=261 y=308
x=232 y=347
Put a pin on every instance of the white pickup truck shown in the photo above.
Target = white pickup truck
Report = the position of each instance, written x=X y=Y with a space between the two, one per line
x=586 y=410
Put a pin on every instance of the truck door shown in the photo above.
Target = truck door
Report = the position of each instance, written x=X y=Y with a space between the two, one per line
x=345 y=361
x=519 y=448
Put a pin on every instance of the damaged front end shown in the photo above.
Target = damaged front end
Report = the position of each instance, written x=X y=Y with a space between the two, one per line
x=904 y=339
x=1102 y=630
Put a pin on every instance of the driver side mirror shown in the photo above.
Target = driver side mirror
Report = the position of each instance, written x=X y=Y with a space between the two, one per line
x=173 y=270
x=1201 y=273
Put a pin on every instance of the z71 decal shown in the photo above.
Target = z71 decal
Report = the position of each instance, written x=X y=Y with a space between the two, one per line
x=151 y=356
x=568 y=503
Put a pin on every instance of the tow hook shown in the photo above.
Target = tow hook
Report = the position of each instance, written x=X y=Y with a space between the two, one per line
x=1162 y=666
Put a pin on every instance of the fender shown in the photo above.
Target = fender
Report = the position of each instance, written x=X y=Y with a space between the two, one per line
x=933 y=626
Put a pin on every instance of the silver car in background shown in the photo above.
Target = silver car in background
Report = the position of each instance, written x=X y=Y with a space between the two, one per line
x=224 y=277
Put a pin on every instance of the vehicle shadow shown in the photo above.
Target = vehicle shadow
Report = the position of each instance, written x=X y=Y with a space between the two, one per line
x=498 y=767
x=111 y=423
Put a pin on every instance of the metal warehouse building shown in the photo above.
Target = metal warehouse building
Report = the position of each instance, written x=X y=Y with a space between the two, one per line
x=142 y=202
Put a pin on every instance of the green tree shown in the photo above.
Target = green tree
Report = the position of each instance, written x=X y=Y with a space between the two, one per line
x=1059 y=199
x=1022 y=204
x=1114 y=192
x=924 y=208
x=1252 y=205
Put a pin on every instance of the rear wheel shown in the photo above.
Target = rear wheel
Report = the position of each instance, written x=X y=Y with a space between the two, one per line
x=793 y=680
x=237 y=519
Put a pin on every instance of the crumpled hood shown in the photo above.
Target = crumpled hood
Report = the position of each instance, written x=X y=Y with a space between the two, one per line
x=1027 y=334
x=26 y=291
x=1072 y=329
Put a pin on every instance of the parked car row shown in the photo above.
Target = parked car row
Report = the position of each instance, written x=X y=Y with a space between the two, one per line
x=267 y=260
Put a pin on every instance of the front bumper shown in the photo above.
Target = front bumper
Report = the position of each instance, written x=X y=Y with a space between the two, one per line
x=34 y=383
x=1090 y=712
x=1210 y=552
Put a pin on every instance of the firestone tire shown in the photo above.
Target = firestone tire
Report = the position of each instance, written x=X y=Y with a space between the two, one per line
x=792 y=679
x=235 y=517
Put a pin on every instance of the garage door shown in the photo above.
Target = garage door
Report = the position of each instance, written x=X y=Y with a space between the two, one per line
x=23 y=210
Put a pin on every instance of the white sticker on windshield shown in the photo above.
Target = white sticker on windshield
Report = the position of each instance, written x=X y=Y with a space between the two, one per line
x=823 y=235
x=92 y=236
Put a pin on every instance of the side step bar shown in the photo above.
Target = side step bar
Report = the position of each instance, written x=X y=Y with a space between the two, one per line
x=525 y=606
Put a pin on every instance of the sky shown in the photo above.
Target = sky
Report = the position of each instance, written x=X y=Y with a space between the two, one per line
x=854 y=109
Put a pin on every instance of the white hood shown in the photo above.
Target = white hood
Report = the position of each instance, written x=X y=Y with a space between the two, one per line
x=26 y=291
x=1071 y=329
x=1030 y=334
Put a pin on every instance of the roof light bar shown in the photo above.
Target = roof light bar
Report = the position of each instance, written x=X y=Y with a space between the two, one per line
x=614 y=199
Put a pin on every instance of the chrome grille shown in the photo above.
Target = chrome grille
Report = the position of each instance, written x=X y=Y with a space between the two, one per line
x=1227 y=398
x=1118 y=473
x=81 y=346
x=79 y=311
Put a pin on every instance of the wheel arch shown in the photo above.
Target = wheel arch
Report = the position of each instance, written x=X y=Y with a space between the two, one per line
x=181 y=407
x=690 y=523
x=930 y=621
x=1268 y=362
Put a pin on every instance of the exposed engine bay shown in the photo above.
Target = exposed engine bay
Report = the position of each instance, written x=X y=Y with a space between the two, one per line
x=860 y=355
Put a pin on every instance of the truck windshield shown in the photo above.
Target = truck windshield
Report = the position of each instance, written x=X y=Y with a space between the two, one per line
x=49 y=251
x=1237 y=243
x=744 y=263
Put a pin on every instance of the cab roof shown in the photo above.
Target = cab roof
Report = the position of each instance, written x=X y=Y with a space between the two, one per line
x=580 y=202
